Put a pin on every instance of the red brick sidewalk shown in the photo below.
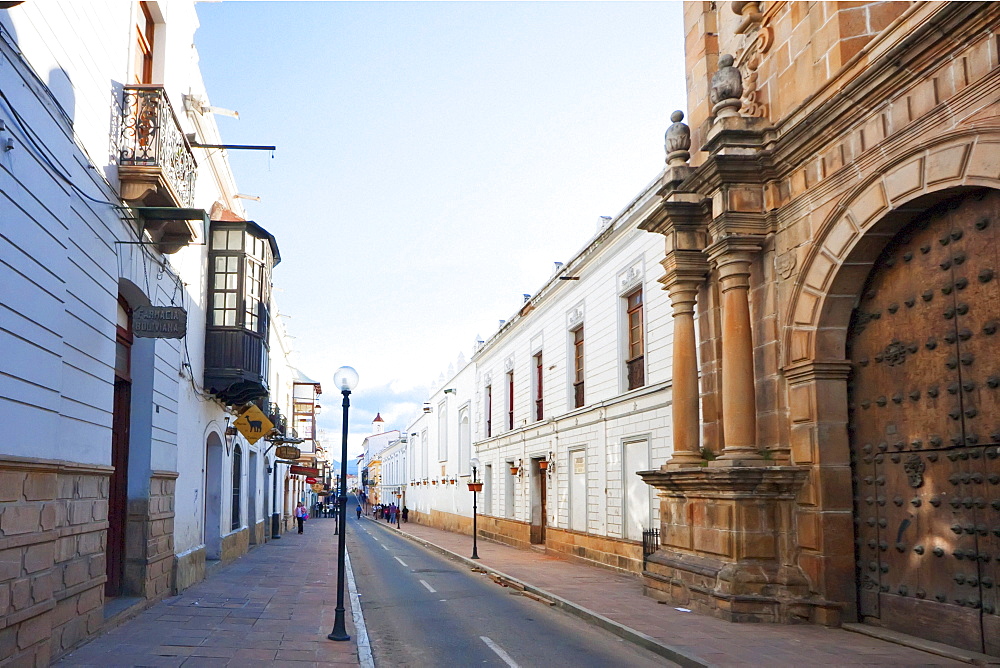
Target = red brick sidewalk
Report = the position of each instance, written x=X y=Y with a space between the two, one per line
x=274 y=605
x=616 y=601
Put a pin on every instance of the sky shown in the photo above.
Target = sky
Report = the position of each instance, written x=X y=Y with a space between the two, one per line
x=434 y=159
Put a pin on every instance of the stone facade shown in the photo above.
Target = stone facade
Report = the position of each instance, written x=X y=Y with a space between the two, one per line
x=52 y=527
x=855 y=118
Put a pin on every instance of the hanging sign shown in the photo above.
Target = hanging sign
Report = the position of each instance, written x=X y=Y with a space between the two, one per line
x=253 y=424
x=317 y=487
x=159 y=322
x=304 y=470
x=310 y=481
x=287 y=452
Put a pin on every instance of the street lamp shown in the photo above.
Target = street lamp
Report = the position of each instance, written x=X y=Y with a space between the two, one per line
x=346 y=379
x=475 y=487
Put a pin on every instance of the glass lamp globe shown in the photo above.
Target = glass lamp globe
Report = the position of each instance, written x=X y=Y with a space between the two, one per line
x=475 y=462
x=346 y=379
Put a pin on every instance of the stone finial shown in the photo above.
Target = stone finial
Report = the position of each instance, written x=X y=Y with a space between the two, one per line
x=727 y=89
x=677 y=141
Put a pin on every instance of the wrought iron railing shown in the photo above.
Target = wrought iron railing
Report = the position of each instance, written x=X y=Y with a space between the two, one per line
x=152 y=137
x=650 y=543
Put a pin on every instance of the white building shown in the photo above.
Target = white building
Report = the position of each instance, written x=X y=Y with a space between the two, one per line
x=120 y=474
x=562 y=406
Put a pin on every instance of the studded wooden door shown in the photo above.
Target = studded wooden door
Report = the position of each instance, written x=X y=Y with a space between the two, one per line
x=925 y=428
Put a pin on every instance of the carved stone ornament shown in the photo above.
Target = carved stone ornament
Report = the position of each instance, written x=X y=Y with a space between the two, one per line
x=786 y=264
x=677 y=141
x=574 y=317
x=508 y=364
x=630 y=277
x=727 y=89
x=914 y=467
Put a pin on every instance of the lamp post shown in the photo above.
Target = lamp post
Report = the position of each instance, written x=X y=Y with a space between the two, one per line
x=475 y=487
x=346 y=379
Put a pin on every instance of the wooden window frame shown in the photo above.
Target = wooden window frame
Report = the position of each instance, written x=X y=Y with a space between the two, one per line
x=510 y=400
x=636 y=346
x=578 y=370
x=539 y=372
x=488 y=400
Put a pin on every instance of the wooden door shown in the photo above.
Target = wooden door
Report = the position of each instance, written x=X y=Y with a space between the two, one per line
x=925 y=428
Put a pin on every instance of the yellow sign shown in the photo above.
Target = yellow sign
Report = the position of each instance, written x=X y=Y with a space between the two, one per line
x=253 y=424
x=317 y=487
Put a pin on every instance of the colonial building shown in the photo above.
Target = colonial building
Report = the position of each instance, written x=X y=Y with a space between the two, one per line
x=135 y=326
x=831 y=224
x=563 y=406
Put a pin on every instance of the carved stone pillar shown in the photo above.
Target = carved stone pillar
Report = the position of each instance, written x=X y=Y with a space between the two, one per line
x=686 y=423
x=732 y=257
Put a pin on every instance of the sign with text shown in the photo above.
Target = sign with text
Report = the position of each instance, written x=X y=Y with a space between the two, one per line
x=287 y=452
x=310 y=480
x=304 y=470
x=159 y=322
x=253 y=424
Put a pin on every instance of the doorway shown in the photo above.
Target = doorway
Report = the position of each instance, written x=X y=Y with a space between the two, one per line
x=120 y=433
x=539 y=495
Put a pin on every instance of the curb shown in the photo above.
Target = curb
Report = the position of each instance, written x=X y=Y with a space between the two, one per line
x=674 y=654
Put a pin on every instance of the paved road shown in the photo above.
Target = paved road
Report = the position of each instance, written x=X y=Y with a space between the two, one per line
x=423 y=609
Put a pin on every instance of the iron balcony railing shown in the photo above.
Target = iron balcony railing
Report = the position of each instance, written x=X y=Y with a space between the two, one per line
x=152 y=137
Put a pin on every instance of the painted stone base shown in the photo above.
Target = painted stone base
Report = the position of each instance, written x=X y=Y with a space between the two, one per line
x=189 y=569
x=727 y=545
x=53 y=521
x=614 y=553
x=603 y=551
x=235 y=545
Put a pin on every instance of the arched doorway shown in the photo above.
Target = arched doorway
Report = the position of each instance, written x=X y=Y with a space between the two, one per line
x=121 y=419
x=213 y=496
x=924 y=421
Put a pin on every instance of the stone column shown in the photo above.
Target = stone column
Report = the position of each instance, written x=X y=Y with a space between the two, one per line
x=732 y=257
x=686 y=425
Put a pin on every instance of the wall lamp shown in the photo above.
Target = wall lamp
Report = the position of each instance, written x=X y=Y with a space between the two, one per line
x=428 y=408
x=451 y=390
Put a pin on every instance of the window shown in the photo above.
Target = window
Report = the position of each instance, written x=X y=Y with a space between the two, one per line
x=578 y=367
x=443 y=431
x=510 y=400
x=237 y=489
x=538 y=386
x=488 y=408
x=241 y=279
x=142 y=66
x=634 y=357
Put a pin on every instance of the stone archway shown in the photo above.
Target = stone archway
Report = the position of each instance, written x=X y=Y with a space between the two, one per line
x=816 y=325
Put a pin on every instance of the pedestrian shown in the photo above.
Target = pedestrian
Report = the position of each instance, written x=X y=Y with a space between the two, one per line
x=406 y=514
x=301 y=514
x=359 y=511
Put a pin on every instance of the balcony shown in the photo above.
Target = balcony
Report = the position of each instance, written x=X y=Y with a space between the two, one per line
x=155 y=163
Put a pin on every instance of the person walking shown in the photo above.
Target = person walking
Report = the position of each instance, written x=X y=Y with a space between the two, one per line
x=406 y=514
x=300 y=515
x=359 y=511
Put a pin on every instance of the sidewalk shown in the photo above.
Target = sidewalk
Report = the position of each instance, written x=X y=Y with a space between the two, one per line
x=274 y=605
x=616 y=602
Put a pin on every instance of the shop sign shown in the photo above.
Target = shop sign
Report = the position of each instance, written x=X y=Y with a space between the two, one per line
x=159 y=322
x=304 y=470
x=317 y=487
x=287 y=452
x=310 y=481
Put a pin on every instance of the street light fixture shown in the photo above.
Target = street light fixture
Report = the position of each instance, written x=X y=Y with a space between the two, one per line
x=346 y=379
x=475 y=487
